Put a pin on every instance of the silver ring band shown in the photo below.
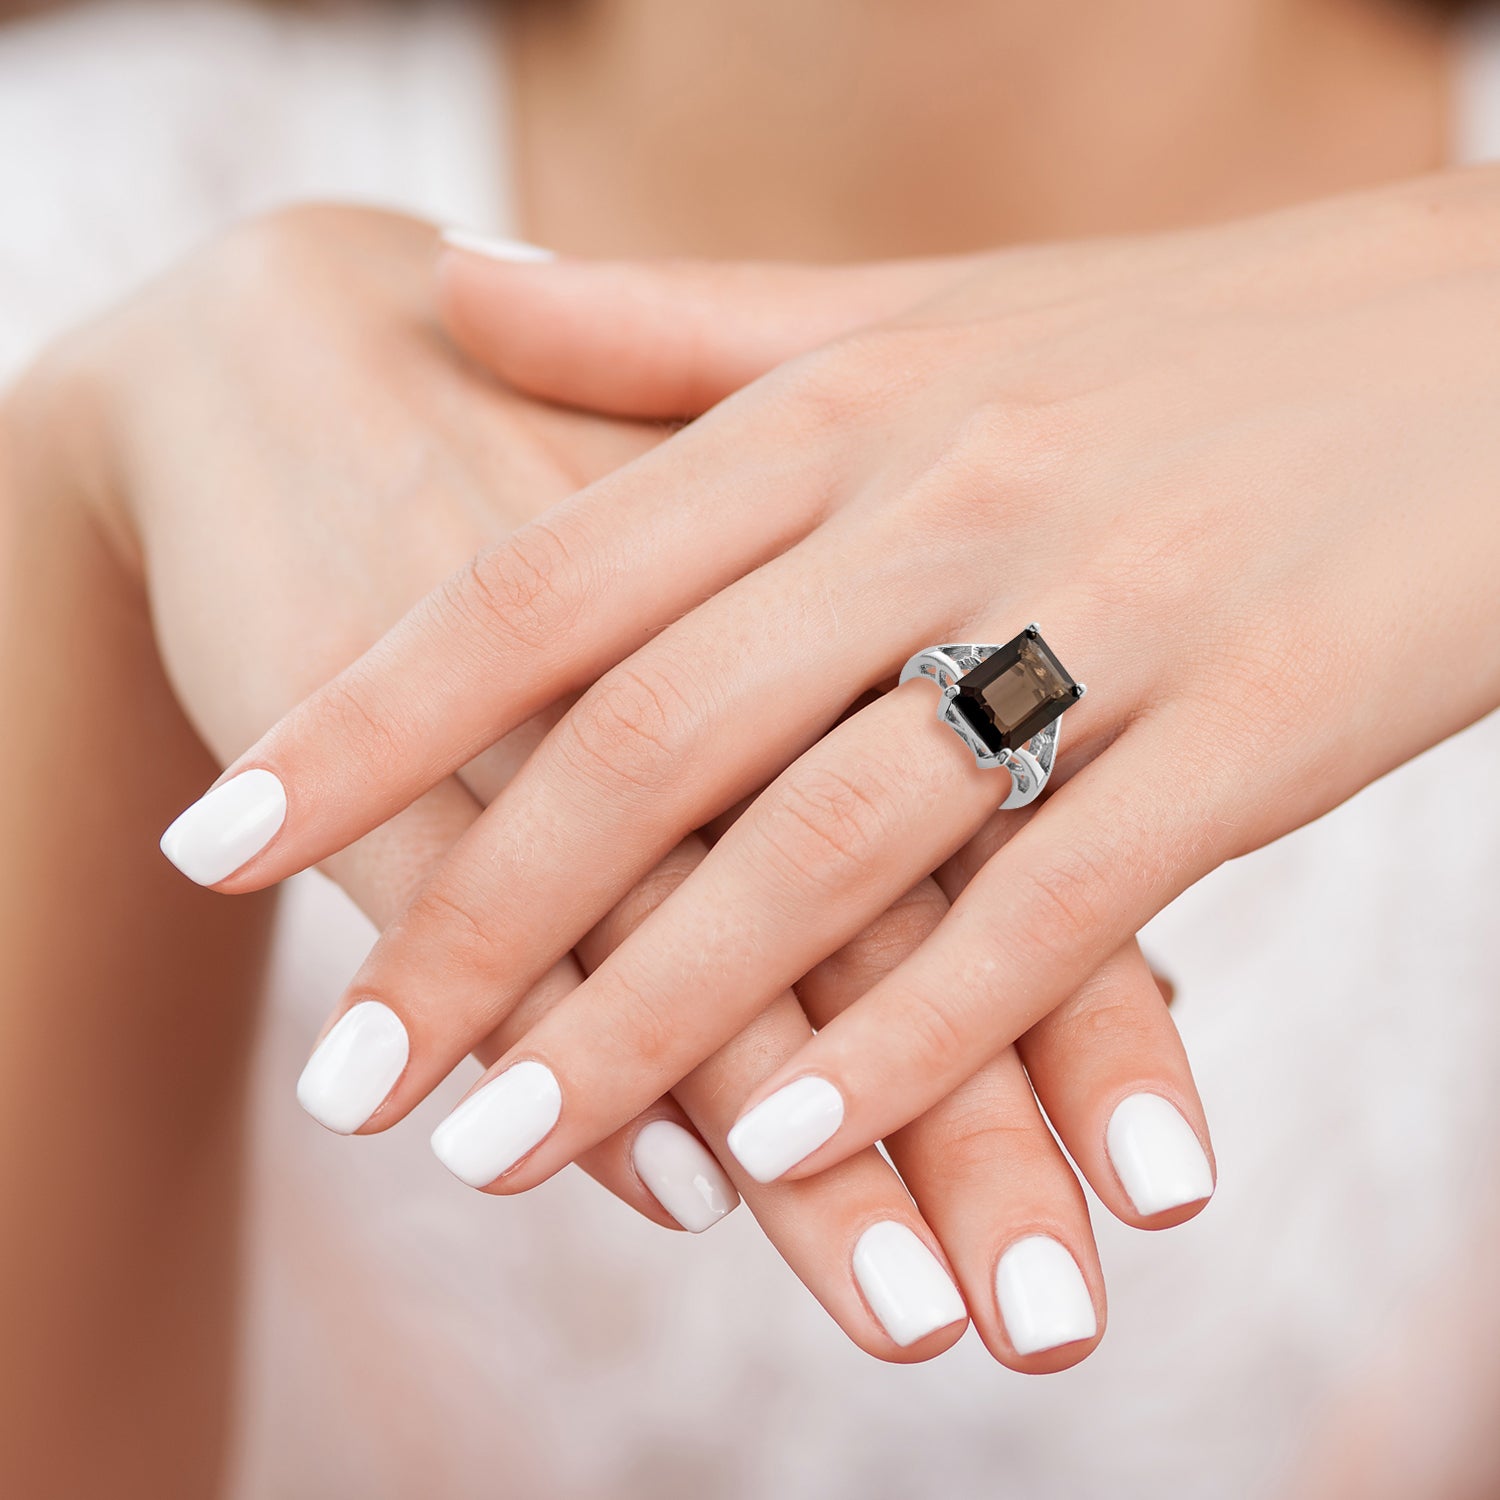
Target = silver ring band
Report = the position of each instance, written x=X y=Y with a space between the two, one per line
x=1022 y=694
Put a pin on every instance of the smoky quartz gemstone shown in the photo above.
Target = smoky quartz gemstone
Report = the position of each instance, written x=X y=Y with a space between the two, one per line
x=1015 y=693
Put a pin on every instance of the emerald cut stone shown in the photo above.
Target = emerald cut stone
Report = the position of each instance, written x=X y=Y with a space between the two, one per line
x=1015 y=693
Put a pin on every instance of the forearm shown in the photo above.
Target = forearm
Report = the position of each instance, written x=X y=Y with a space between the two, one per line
x=125 y=1007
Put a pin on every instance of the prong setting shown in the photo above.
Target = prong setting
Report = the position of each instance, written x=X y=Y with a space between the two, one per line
x=1004 y=703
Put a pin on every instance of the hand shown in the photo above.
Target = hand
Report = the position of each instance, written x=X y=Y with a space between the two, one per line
x=604 y=780
x=1226 y=428
x=285 y=458
x=1197 y=460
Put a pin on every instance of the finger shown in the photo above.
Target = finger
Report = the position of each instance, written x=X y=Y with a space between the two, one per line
x=660 y=338
x=379 y=874
x=828 y=847
x=657 y=1164
x=985 y=1172
x=650 y=753
x=989 y=1176
x=1114 y=1076
x=544 y=614
x=1093 y=864
x=852 y=1235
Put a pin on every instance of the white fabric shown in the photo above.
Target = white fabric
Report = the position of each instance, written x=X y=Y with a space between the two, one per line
x=409 y=1337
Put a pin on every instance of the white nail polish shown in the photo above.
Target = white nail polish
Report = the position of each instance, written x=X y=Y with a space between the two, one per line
x=355 y=1066
x=1156 y=1155
x=1043 y=1297
x=493 y=1129
x=781 y=1130
x=904 y=1283
x=514 y=252
x=226 y=826
x=682 y=1175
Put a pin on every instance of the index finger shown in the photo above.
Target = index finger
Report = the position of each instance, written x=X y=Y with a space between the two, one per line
x=543 y=614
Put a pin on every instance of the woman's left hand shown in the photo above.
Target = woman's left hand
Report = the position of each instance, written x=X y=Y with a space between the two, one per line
x=1245 y=478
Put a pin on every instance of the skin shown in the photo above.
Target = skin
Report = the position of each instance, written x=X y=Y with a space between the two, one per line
x=845 y=133
x=885 y=471
x=120 y=1093
x=177 y=538
x=495 y=468
x=160 y=1222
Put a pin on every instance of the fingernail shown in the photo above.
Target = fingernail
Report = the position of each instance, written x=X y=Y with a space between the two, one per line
x=682 y=1175
x=781 y=1130
x=226 y=826
x=906 y=1286
x=1043 y=1297
x=1156 y=1155
x=515 y=252
x=355 y=1066
x=492 y=1130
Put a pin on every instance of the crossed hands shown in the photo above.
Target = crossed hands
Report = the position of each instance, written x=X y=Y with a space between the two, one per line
x=702 y=889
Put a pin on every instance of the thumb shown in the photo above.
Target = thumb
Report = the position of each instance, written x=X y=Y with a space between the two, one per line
x=666 y=338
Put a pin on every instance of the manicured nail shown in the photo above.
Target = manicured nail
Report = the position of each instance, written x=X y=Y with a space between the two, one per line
x=781 y=1130
x=682 y=1175
x=515 y=252
x=355 y=1066
x=493 y=1129
x=904 y=1283
x=1043 y=1297
x=226 y=826
x=1157 y=1155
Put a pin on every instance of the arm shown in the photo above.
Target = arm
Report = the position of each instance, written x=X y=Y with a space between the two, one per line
x=125 y=1009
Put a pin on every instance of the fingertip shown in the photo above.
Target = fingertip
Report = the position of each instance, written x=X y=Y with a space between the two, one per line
x=908 y=1290
x=920 y=1351
x=1159 y=1160
x=682 y=1175
x=1049 y=1312
x=1167 y=1218
x=1047 y=1362
x=488 y=1139
x=226 y=828
x=353 y=1069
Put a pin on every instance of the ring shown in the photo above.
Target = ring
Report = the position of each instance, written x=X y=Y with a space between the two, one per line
x=1004 y=703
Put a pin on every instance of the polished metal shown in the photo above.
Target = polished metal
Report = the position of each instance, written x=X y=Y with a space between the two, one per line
x=1030 y=764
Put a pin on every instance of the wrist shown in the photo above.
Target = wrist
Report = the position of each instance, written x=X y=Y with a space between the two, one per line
x=56 y=426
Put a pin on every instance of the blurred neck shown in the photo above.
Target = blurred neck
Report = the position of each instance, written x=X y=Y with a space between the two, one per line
x=843 y=130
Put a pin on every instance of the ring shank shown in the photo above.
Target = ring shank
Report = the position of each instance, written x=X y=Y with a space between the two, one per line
x=1029 y=765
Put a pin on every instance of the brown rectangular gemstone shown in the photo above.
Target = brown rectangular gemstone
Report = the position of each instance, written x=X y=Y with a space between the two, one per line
x=1016 y=693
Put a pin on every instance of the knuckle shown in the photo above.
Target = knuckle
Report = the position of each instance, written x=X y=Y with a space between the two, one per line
x=522 y=594
x=977 y=1138
x=1066 y=898
x=648 y=894
x=889 y=940
x=643 y=1024
x=267 y=261
x=933 y=1035
x=283 y=231
x=456 y=919
x=824 y=828
x=373 y=738
x=1003 y=458
x=1101 y=1020
x=853 y=380
x=635 y=727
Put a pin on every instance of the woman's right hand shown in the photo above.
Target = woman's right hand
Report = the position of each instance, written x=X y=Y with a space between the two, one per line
x=280 y=446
